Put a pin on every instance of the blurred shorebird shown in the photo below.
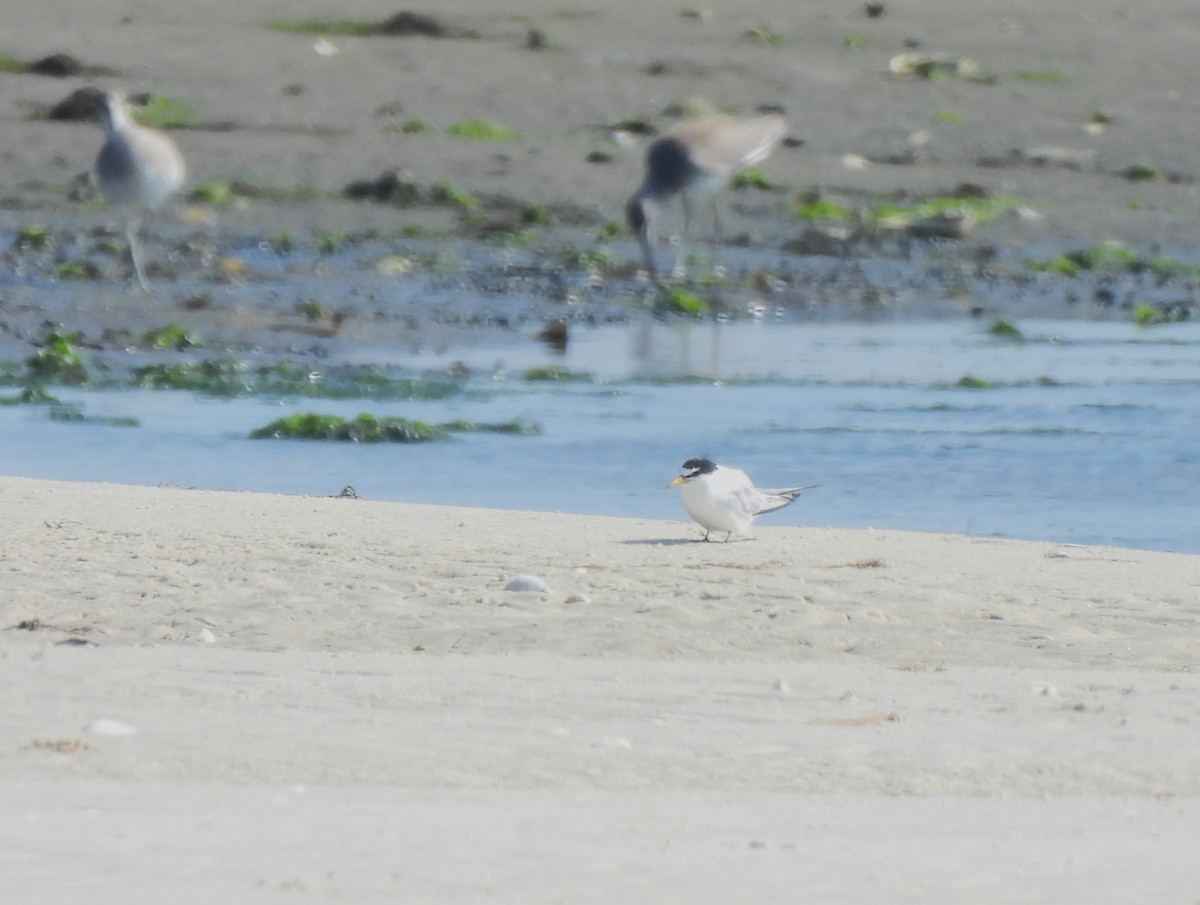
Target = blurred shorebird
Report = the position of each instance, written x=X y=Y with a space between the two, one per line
x=697 y=155
x=137 y=169
x=721 y=498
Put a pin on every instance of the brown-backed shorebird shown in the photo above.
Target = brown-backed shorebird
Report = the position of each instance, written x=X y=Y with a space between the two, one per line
x=138 y=169
x=721 y=498
x=697 y=155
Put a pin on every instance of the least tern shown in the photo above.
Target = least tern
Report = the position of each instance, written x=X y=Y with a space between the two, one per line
x=721 y=498
x=137 y=168
x=698 y=154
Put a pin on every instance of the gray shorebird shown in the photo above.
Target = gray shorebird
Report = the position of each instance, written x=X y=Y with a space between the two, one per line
x=137 y=168
x=697 y=155
x=721 y=498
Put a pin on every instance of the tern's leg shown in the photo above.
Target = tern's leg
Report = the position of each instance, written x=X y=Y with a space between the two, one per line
x=135 y=252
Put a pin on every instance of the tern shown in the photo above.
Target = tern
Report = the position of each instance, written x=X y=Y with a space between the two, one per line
x=697 y=155
x=137 y=168
x=721 y=498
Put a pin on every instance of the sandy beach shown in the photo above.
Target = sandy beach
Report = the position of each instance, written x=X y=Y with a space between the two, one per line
x=238 y=697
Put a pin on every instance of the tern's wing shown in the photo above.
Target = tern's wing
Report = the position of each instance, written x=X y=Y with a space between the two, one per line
x=770 y=500
x=740 y=498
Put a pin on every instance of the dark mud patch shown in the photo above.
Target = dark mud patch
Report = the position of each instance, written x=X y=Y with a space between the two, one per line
x=403 y=24
x=55 y=65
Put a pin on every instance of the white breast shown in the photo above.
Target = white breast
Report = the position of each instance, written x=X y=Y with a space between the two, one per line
x=138 y=167
x=724 y=500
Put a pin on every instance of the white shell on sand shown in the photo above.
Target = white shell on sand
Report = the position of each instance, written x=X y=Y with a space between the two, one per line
x=207 y=636
x=528 y=583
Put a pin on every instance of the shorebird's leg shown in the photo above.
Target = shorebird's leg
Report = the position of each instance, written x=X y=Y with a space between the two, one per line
x=680 y=271
x=718 y=237
x=645 y=238
x=642 y=215
x=131 y=233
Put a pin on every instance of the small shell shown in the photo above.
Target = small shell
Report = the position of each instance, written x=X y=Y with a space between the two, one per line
x=394 y=266
x=1055 y=156
x=528 y=583
x=934 y=65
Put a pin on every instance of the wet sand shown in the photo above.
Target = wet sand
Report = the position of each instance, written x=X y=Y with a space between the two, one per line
x=303 y=116
x=292 y=116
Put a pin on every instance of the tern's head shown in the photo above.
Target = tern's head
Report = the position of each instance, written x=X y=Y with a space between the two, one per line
x=693 y=468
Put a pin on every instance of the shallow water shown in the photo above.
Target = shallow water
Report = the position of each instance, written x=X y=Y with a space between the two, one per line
x=1088 y=432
